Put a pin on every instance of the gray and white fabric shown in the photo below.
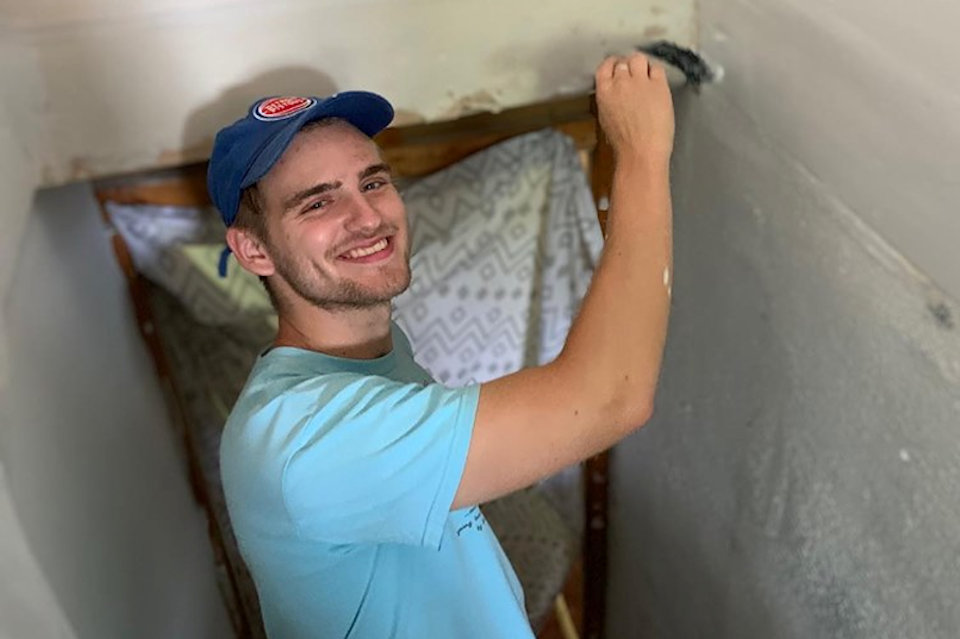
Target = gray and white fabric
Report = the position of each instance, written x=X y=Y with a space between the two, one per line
x=179 y=249
x=504 y=246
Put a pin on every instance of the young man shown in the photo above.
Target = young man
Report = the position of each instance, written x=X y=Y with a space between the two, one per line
x=352 y=479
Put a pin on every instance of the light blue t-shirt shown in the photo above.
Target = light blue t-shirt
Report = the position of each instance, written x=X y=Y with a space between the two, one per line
x=339 y=475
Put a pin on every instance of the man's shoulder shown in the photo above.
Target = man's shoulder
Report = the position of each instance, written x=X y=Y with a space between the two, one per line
x=287 y=386
x=282 y=381
x=282 y=407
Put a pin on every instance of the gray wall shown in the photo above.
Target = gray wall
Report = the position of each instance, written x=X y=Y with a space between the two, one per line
x=801 y=477
x=87 y=448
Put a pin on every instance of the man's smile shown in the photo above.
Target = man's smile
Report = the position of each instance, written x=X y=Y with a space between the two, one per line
x=375 y=251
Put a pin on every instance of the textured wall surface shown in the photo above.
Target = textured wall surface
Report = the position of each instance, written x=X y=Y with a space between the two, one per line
x=88 y=452
x=865 y=97
x=800 y=477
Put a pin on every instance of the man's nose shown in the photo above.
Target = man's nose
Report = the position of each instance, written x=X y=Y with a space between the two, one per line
x=363 y=216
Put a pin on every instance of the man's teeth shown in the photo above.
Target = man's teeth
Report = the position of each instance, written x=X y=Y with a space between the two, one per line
x=370 y=250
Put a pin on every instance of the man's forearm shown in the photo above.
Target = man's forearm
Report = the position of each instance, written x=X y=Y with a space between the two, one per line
x=617 y=340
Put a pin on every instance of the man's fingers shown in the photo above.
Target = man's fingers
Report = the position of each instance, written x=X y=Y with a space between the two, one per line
x=639 y=65
x=636 y=65
x=605 y=70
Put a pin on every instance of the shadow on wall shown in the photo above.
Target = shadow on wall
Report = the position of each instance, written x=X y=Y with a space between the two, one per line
x=202 y=124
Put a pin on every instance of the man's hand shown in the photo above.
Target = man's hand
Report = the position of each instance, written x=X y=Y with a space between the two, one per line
x=635 y=108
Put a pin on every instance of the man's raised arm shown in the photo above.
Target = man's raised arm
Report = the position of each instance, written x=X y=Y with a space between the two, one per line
x=601 y=387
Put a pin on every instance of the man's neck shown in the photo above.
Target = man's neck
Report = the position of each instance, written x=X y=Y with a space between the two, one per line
x=355 y=333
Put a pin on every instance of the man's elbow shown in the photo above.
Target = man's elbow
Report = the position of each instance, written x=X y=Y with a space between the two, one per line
x=640 y=414
x=633 y=412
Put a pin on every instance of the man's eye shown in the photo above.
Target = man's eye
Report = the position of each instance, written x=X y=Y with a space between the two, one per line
x=316 y=206
x=374 y=185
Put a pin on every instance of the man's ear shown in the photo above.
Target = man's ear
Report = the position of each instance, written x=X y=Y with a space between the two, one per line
x=250 y=251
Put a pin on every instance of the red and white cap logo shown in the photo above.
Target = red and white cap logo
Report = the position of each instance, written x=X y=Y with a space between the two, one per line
x=281 y=108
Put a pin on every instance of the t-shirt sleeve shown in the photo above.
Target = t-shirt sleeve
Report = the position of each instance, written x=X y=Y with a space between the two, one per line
x=374 y=460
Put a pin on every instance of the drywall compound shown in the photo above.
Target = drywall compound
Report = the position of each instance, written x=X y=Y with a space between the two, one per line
x=800 y=475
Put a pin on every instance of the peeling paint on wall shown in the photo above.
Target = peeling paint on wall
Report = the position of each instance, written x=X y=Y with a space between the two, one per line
x=476 y=102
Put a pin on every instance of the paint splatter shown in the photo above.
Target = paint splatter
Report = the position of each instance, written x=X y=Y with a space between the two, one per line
x=941 y=313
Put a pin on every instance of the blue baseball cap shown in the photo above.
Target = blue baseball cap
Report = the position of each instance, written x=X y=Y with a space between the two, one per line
x=246 y=150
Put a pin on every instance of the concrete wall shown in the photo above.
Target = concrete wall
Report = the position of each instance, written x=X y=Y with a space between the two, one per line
x=800 y=478
x=89 y=456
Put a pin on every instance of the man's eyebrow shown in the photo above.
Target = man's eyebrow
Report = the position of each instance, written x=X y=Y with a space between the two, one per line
x=323 y=187
x=373 y=169
x=316 y=189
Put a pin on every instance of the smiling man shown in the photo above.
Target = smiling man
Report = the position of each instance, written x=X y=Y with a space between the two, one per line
x=352 y=478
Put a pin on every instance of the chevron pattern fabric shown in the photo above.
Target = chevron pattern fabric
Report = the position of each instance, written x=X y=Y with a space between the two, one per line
x=179 y=248
x=504 y=245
